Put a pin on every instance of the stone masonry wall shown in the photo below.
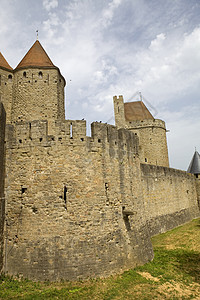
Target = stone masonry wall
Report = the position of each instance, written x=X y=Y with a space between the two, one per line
x=152 y=138
x=198 y=190
x=38 y=94
x=170 y=197
x=6 y=88
x=2 y=199
x=74 y=203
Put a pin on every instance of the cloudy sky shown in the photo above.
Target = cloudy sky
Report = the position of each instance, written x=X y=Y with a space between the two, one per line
x=118 y=47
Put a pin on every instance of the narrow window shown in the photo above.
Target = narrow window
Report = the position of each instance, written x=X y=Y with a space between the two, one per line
x=9 y=77
x=65 y=196
x=40 y=74
x=145 y=159
x=71 y=131
x=24 y=74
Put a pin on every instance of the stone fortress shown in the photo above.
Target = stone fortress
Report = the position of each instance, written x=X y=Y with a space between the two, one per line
x=74 y=206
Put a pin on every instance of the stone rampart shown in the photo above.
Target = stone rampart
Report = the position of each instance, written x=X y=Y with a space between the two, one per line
x=2 y=160
x=74 y=203
x=170 y=197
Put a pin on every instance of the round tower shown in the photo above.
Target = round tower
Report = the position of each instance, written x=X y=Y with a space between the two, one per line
x=6 y=86
x=38 y=91
x=136 y=117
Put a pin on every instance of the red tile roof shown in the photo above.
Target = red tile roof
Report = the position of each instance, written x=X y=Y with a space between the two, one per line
x=4 y=64
x=36 y=57
x=136 y=111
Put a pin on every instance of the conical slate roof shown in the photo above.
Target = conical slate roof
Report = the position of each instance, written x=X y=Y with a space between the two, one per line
x=194 y=166
x=136 y=111
x=4 y=64
x=36 y=57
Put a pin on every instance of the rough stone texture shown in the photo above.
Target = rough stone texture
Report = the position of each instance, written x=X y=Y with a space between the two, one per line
x=198 y=189
x=6 y=87
x=151 y=133
x=2 y=176
x=170 y=197
x=45 y=88
x=86 y=232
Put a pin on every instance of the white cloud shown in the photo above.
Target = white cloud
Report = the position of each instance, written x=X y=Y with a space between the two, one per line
x=50 y=4
x=109 y=11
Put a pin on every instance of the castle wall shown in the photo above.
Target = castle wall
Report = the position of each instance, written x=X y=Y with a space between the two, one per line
x=6 y=87
x=170 y=197
x=38 y=94
x=198 y=190
x=2 y=199
x=74 y=203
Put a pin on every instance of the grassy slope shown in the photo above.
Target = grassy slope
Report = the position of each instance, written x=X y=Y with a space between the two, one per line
x=173 y=274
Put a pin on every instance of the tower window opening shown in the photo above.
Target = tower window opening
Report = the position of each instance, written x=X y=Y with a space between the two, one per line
x=23 y=190
x=9 y=77
x=40 y=74
x=196 y=175
x=65 y=196
x=145 y=159
x=71 y=131
x=24 y=74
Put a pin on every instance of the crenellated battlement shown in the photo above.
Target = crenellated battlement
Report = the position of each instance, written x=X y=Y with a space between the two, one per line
x=70 y=132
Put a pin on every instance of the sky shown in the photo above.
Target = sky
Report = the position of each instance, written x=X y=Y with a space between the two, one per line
x=118 y=47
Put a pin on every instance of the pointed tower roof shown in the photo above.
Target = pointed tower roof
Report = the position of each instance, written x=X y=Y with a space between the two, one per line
x=36 y=57
x=136 y=111
x=4 y=64
x=194 y=166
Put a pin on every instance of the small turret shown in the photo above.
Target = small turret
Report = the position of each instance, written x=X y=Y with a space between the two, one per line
x=194 y=167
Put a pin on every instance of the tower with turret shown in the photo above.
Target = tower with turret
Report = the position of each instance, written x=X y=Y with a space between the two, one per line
x=34 y=90
x=135 y=117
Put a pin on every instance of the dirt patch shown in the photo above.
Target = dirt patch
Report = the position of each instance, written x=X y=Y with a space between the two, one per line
x=148 y=276
x=170 y=289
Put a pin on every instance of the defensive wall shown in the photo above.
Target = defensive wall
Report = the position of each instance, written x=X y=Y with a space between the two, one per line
x=79 y=206
x=75 y=204
x=198 y=190
x=2 y=176
x=170 y=197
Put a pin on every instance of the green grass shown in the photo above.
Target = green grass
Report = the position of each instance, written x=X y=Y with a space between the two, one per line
x=173 y=274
